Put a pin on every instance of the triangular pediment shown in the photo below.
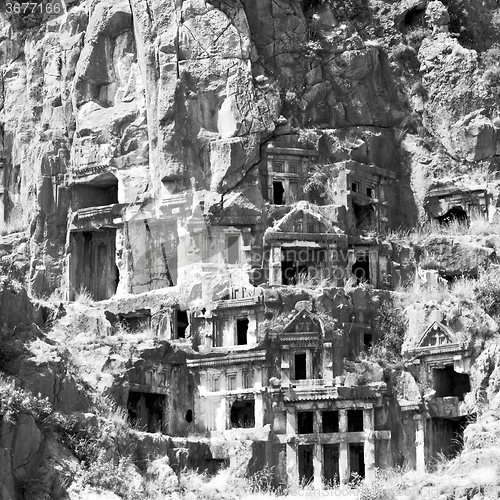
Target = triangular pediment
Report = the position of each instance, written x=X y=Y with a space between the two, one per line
x=435 y=335
x=302 y=322
x=303 y=219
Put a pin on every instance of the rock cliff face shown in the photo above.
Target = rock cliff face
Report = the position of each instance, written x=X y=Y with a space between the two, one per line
x=206 y=208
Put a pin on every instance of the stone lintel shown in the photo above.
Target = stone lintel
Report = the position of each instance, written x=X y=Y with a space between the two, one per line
x=334 y=437
x=232 y=358
x=149 y=389
x=291 y=151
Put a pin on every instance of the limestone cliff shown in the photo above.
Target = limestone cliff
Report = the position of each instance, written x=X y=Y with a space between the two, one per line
x=225 y=214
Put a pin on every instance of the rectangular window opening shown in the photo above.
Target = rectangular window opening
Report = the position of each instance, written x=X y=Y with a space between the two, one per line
x=300 y=366
x=242 y=331
x=330 y=421
x=181 y=324
x=233 y=249
x=305 y=422
x=278 y=193
x=354 y=420
x=368 y=340
x=306 y=468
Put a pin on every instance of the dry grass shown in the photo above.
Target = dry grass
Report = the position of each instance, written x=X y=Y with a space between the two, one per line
x=83 y=296
x=14 y=224
x=477 y=226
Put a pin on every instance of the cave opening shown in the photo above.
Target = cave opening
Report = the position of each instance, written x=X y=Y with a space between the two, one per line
x=414 y=18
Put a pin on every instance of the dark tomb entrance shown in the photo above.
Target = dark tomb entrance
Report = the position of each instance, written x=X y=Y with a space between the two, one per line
x=93 y=265
x=355 y=421
x=305 y=422
x=278 y=193
x=241 y=331
x=454 y=215
x=288 y=272
x=306 y=470
x=300 y=366
x=331 y=463
x=330 y=421
x=447 y=382
x=361 y=269
x=181 y=324
x=243 y=414
x=145 y=410
x=357 y=460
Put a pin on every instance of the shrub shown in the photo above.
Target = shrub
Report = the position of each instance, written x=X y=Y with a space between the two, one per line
x=491 y=57
x=487 y=290
x=419 y=89
x=84 y=297
x=356 y=11
x=15 y=401
x=491 y=78
x=117 y=477
x=404 y=56
x=9 y=348
x=415 y=36
x=391 y=323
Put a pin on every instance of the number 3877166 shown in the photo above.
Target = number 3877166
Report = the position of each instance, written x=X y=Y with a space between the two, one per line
x=49 y=7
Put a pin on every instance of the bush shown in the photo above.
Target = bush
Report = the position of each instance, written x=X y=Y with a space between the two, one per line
x=419 y=89
x=405 y=56
x=391 y=323
x=416 y=36
x=491 y=78
x=9 y=348
x=487 y=290
x=117 y=477
x=15 y=401
x=491 y=57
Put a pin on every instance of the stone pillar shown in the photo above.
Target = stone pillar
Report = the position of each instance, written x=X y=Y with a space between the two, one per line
x=369 y=444
x=327 y=362
x=419 y=443
x=317 y=453
x=344 y=467
x=275 y=266
x=373 y=262
x=318 y=466
x=259 y=410
x=292 y=469
x=257 y=377
x=221 y=419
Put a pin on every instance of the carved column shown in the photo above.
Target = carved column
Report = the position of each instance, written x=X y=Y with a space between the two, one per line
x=344 y=471
x=292 y=469
x=259 y=410
x=317 y=453
x=369 y=444
x=420 y=443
